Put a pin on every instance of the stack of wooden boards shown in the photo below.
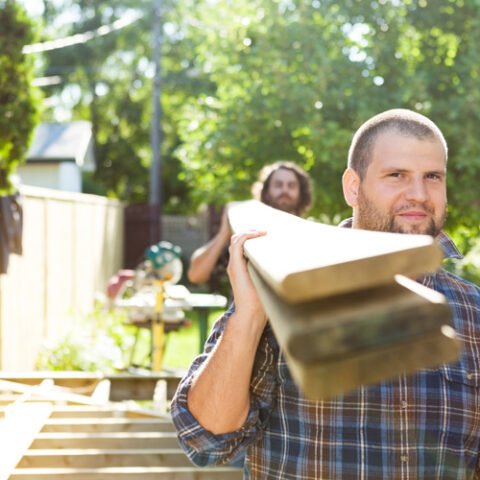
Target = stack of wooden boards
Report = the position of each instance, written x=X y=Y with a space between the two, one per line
x=51 y=432
x=342 y=302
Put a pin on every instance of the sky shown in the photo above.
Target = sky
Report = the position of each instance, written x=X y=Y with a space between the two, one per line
x=33 y=7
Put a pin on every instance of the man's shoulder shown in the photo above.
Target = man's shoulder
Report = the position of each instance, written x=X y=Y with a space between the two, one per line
x=448 y=246
x=452 y=253
x=452 y=285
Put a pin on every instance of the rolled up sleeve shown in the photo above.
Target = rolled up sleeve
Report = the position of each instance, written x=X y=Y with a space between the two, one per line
x=205 y=448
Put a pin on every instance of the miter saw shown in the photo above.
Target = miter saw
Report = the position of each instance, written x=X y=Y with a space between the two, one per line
x=149 y=295
x=163 y=262
x=161 y=267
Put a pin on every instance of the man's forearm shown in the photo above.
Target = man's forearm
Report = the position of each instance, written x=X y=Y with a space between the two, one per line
x=205 y=258
x=219 y=397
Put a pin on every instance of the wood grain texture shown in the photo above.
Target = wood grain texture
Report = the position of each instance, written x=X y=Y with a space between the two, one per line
x=17 y=431
x=325 y=380
x=338 y=326
x=333 y=346
x=341 y=303
x=72 y=438
x=303 y=260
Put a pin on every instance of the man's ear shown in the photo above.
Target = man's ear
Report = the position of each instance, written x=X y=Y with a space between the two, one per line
x=351 y=184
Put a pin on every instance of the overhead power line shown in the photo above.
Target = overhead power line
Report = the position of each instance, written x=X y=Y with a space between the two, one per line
x=127 y=19
x=47 y=81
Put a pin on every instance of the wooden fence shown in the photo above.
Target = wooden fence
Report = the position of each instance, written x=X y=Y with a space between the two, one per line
x=72 y=244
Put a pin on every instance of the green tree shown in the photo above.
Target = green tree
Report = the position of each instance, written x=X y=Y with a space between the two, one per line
x=246 y=82
x=283 y=91
x=109 y=82
x=18 y=99
x=425 y=52
x=296 y=78
x=102 y=80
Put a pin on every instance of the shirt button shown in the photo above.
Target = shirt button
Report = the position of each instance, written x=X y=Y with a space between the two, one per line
x=404 y=404
x=469 y=376
x=404 y=458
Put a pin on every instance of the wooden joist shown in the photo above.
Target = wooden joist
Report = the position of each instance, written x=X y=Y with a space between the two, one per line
x=85 y=437
x=17 y=430
x=105 y=457
x=84 y=411
x=52 y=393
x=128 y=473
x=341 y=301
x=123 y=386
x=114 y=424
x=78 y=382
x=303 y=260
x=126 y=440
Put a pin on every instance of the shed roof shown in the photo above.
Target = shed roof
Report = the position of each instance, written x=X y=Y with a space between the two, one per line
x=63 y=142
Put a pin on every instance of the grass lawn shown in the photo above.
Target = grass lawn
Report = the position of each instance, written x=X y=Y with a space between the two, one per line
x=183 y=346
x=105 y=342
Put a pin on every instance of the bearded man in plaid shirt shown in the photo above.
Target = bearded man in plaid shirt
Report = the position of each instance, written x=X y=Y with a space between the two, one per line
x=239 y=398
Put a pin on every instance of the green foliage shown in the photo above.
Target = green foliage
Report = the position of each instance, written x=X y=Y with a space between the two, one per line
x=295 y=79
x=468 y=240
x=248 y=82
x=18 y=100
x=102 y=342
x=109 y=80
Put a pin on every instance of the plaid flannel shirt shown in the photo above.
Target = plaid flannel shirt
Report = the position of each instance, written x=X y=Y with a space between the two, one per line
x=421 y=426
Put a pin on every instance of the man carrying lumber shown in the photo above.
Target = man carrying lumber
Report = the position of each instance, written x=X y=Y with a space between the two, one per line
x=283 y=185
x=239 y=395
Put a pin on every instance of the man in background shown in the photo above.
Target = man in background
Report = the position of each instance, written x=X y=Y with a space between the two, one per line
x=283 y=185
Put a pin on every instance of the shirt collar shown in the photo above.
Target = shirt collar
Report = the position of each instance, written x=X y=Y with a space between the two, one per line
x=449 y=248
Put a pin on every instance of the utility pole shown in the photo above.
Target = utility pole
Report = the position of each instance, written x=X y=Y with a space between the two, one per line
x=155 y=194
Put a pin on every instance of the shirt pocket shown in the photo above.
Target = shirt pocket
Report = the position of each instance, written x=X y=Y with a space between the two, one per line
x=461 y=398
x=465 y=371
x=460 y=407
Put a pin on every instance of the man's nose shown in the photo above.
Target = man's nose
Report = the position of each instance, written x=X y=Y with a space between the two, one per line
x=417 y=190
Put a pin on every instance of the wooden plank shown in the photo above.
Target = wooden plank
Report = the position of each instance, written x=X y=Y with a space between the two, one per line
x=370 y=366
x=118 y=410
x=328 y=328
x=124 y=386
x=141 y=386
x=85 y=440
x=128 y=473
x=59 y=394
x=51 y=393
x=334 y=346
x=134 y=410
x=123 y=410
x=86 y=411
x=106 y=440
x=101 y=458
x=17 y=431
x=339 y=307
x=108 y=425
x=81 y=382
x=101 y=393
x=8 y=398
x=127 y=410
x=303 y=260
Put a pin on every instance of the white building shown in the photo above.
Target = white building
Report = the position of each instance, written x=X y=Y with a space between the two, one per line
x=58 y=155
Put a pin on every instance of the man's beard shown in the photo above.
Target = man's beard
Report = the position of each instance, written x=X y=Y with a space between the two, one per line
x=368 y=217
x=290 y=207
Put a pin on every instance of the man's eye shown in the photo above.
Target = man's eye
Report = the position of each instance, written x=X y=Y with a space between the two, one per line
x=395 y=174
x=434 y=176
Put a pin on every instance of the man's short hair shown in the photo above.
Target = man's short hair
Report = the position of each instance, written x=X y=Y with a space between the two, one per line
x=260 y=187
x=403 y=121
